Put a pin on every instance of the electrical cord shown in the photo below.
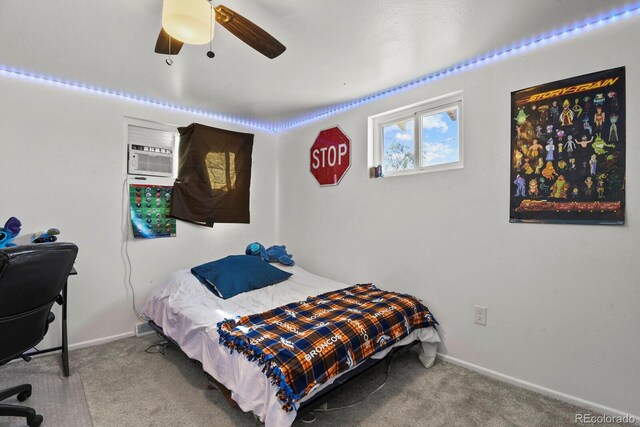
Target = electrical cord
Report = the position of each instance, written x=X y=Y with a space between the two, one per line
x=351 y=405
x=160 y=348
x=126 y=219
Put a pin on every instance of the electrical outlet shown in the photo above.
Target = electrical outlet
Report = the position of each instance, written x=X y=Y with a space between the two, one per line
x=480 y=315
x=142 y=328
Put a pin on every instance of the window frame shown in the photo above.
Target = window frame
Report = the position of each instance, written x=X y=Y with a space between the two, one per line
x=415 y=112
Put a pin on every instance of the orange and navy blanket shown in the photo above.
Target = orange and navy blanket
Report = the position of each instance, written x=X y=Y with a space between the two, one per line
x=303 y=344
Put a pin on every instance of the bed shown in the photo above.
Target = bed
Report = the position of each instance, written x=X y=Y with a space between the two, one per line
x=188 y=314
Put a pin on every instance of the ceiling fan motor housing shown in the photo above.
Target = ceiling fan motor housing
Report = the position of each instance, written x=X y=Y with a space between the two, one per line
x=188 y=20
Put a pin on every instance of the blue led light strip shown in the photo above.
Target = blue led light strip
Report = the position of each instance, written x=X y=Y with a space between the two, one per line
x=85 y=87
x=595 y=22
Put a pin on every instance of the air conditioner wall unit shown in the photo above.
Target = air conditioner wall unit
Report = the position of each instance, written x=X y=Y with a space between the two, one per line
x=149 y=160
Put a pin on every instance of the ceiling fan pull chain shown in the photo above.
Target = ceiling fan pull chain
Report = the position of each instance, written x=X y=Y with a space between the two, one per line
x=169 y=61
x=210 y=53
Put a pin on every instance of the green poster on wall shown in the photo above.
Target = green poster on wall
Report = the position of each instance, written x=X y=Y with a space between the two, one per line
x=150 y=206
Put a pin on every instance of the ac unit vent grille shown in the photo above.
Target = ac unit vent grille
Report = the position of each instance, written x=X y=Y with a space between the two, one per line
x=151 y=151
x=153 y=163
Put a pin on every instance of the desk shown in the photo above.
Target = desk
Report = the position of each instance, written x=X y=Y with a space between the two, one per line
x=62 y=300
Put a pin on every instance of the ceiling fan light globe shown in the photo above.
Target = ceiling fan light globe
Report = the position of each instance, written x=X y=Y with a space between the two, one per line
x=188 y=20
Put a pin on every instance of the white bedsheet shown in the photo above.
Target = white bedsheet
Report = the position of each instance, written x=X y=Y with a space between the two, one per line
x=189 y=313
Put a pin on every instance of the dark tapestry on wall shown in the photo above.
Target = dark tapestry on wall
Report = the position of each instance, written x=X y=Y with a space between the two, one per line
x=214 y=176
x=568 y=145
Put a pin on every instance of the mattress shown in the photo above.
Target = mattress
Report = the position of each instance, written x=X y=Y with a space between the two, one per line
x=188 y=313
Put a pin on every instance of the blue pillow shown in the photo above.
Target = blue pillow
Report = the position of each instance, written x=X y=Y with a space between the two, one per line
x=230 y=276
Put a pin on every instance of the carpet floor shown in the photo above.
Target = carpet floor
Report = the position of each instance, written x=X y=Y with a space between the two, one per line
x=126 y=386
x=60 y=400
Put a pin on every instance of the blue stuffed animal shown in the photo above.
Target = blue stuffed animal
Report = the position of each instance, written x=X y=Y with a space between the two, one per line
x=9 y=232
x=279 y=253
x=48 y=237
x=276 y=253
x=257 y=249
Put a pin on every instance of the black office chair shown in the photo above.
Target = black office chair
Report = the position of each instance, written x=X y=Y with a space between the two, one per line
x=31 y=278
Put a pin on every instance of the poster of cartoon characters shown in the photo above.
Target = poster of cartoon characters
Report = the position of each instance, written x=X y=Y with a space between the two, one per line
x=568 y=145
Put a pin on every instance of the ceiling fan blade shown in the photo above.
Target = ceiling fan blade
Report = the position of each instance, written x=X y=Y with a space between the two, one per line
x=162 y=45
x=249 y=32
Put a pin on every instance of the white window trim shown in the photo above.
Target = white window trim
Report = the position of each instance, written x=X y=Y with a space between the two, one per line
x=415 y=111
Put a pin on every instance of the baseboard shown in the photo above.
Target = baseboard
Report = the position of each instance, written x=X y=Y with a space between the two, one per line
x=83 y=344
x=540 y=389
x=99 y=341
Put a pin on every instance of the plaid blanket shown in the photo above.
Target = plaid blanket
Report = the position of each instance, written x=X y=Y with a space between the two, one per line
x=303 y=344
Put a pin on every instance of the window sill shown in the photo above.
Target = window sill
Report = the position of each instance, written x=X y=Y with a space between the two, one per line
x=438 y=168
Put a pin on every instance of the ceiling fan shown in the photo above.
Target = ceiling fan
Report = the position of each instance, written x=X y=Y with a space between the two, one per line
x=192 y=22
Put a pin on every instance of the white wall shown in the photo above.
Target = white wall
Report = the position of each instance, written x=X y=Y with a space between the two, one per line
x=63 y=161
x=562 y=299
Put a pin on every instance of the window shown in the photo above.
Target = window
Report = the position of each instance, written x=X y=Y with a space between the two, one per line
x=214 y=177
x=222 y=170
x=423 y=137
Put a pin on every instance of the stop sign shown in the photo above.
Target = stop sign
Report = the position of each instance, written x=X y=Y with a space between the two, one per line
x=330 y=156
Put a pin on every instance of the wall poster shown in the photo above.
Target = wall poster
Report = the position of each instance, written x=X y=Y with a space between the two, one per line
x=568 y=146
x=150 y=206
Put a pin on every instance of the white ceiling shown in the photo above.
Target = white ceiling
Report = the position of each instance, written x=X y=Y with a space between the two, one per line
x=337 y=50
